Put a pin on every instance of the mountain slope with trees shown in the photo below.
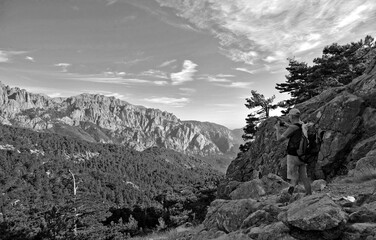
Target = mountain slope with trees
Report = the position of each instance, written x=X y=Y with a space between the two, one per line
x=55 y=187
x=97 y=118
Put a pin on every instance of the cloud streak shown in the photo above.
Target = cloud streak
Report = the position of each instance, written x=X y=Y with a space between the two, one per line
x=64 y=66
x=154 y=73
x=174 y=102
x=31 y=59
x=187 y=91
x=245 y=70
x=6 y=55
x=251 y=31
x=167 y=63
x=185 y=75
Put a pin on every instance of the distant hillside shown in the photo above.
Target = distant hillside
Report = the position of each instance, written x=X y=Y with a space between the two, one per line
x=37 y=170
x=97 y=118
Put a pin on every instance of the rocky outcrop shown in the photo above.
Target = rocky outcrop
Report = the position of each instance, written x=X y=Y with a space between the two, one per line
x=317 y=212
x=345 y=118
x=98 y=118
x=328 y=214
x=344 y=208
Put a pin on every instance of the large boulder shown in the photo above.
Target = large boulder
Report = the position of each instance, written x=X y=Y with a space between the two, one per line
x=257 y=188
x=276 y=230
x=228 y=215
x=315 y=213
x=361 y=149
x=365 y=168
x=252 y=189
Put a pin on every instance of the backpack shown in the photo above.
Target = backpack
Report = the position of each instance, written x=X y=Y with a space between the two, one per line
x=302 y=150
x=306 y=142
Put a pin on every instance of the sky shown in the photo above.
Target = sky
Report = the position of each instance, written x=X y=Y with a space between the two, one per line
x=198 y=59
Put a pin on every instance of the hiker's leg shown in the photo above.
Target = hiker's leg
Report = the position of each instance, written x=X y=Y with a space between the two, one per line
x=304 y=178
x=292 y=171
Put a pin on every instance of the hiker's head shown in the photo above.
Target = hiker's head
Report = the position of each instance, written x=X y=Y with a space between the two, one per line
x=294 y=115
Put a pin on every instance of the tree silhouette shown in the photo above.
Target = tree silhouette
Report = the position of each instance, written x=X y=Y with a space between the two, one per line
x=261 y=107
x=338 y=66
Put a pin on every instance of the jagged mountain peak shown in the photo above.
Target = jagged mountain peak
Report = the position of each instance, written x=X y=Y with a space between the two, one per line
x=99 y=118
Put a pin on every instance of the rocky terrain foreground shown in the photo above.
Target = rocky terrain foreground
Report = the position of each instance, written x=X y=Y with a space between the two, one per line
x=262 y=209
x=253 y=202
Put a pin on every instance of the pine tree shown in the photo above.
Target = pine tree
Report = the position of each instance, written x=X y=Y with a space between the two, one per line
x=338 y=66
x=261 y=107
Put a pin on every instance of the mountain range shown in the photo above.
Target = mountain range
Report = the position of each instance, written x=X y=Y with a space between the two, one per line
x=97 y=118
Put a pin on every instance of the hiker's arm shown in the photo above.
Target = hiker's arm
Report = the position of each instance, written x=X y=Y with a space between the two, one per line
x=286 y=134
x=280 y=137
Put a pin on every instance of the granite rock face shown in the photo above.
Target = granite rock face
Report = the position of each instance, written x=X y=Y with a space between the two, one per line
x=98 y=118
x=345 y=119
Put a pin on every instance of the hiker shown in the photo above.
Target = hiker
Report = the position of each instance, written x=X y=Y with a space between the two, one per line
x=296 y=169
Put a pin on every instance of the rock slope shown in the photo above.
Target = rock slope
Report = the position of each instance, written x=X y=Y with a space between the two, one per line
x=345 y=118
x=253 y=202
x=98 y=118
x=342 y=210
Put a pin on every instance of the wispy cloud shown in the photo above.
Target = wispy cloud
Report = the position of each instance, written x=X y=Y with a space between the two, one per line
x=6 y=55
x=31 y=59
x=238 y=55
x=224 y=82
x=64 y=66
x=225 y=105
x=187 y=91
x=114 y=74
x=236 y=84
x=160 y=83
x=167 y=63
x=110 y=2
x=103 y=79
x=127 y=19
x=3 y=57
x=150 y=76
x=154 y=73
x=186 y=74
x=130 y=62
x=225 y=75
x=245 y=70
x=275 y=68
x=215 y=79
x=163 y=16
x=174 y=102
x=251 y=30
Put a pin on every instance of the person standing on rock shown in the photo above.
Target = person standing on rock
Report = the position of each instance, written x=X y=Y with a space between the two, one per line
x=296 y=169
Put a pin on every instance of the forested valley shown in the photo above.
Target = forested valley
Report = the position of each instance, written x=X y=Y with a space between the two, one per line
x=55 y=187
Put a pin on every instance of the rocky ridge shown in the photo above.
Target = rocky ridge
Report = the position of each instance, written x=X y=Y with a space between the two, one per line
x=97 y=118
x=346 y=120
x=253 y=202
